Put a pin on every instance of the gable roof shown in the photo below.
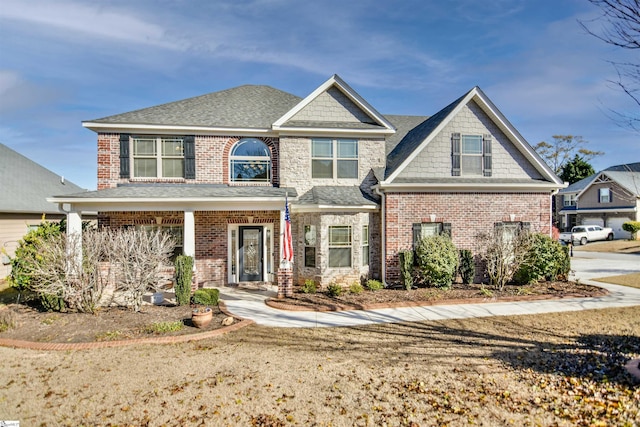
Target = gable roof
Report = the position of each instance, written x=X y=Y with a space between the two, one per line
x=418 y=138
x=403 y=125
x=26 y=184
x=242 y=107
x=326 y=197
x=378 y=122
x=626 y=175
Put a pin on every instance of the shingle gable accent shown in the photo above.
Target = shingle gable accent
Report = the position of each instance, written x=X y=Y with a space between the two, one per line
x=342 y=104
x=418 y=138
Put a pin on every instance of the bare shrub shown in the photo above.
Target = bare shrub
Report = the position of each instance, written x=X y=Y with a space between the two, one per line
x=137 y=257
x=60 y=273
x=503 y=252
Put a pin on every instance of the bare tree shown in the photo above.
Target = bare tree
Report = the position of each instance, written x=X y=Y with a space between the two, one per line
x=562 y=149
x=503 y=251
x=137 y=258
x=620 y=27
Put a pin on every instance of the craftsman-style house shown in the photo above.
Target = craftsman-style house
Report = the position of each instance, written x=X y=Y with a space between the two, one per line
x=215 y=171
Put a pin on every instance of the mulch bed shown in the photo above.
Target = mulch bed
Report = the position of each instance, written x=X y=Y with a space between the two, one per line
x=107 y=324
x=457 y=294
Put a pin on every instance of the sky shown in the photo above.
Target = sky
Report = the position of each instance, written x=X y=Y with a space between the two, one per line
x=67 y=61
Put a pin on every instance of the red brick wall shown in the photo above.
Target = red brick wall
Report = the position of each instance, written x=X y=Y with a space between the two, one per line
x=211 y=235
x=212 y=161
x=468 y=213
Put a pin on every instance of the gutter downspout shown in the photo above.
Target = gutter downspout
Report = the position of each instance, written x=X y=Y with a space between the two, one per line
x=383 y=235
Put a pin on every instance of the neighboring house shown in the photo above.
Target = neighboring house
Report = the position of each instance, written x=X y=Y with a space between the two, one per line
x=24 y=188
x=608 y=198
x=215 y=171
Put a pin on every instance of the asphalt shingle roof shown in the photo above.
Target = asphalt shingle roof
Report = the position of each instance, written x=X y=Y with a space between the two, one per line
x=412 y=140
x=172 y=191
x=335 y=196
x=26 y=185
x=248 y=106
x=403 y=125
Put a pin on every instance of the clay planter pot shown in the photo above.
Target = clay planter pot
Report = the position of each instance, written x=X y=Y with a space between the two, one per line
x=201 y=317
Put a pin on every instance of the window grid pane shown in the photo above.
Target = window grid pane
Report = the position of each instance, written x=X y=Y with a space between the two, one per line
x=322 y=148
x=339 y=257
x=322 y=168
x=172 y=147
x=144 y=147
x=250 y=161
x=145 y=168
x=340 y=236
x=173 y=168
x=472 y=144
x=347 y=168
x=347 y=149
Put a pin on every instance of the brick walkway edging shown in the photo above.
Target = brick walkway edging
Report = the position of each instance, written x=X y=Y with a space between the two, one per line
x=33 y=345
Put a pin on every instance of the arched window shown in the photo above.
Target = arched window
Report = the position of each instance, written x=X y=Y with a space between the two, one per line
x=250 y=161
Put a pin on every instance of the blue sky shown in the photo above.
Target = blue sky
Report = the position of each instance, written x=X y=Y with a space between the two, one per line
x=65 y=61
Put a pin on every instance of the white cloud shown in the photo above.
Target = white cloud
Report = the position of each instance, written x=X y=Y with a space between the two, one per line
x=85 y=20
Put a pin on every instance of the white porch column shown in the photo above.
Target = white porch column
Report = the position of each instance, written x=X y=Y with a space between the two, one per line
x=189 y=233
x=74 y=241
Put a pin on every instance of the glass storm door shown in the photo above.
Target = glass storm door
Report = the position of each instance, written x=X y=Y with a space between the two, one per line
x=250 y=248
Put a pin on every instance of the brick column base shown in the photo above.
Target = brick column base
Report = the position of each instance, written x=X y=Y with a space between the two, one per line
x=285 y=282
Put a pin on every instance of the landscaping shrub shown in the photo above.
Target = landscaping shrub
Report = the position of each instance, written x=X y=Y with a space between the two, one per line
x=374 y=285
x=632 y=227
x=356 y=288
x=334 y=290
x=184 y=274
x=467 y=268
x=163 y=327
x=437 y=260
x=22 y=263
x=309 y=287
x=545 y=259
x=503 y=253
x=206 y=296
x=406 y=268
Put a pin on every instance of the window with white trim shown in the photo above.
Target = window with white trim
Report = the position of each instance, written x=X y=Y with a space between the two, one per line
x=426 y=229
x=339 y=246
x=604 y=195
x=158 y=157
x=365 y=245
x=471 y=155
x=175 y=231
x=569 y=199
x=309 y=245
x=334 y=158
x=250 y=160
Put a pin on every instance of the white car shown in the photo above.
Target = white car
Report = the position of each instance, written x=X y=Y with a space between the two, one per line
x=586 y=233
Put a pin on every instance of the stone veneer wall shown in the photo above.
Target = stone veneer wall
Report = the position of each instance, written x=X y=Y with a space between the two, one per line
x=468 y=213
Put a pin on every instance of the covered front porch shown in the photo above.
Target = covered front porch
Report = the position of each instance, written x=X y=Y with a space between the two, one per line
x=234 y=234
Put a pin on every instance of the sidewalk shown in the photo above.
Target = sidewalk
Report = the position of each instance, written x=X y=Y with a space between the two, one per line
x=251 y=305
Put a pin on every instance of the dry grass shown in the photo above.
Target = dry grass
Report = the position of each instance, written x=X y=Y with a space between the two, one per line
x=618 y=246
x=557 y=369
x=632 y=280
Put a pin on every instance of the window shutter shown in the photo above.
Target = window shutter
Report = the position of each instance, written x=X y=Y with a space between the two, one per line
x=455 y=154
x=125 y=171
x=599 y=195
x=486 y=155
x=610 y=196
x=417 y=228
x=190 y=157
x=446 y=229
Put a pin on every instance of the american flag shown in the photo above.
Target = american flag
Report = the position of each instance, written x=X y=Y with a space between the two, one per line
x=287 y=244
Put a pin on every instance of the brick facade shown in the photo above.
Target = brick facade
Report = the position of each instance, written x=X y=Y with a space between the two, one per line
x=468 y=213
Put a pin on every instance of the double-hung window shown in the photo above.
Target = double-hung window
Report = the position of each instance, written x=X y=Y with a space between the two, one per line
x=158 y=157
x=604 y=195
x=569 y=200
x=309 y=245
x=471 y=155
x=427 y=229
x=175 y=231
x=334 y=158
x=339 y=246
x=365 y=245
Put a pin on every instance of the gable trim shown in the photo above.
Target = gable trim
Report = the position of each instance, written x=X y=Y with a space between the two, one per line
x=498 y=118
x=336 y=81
x=604 y=178
x=466 y=187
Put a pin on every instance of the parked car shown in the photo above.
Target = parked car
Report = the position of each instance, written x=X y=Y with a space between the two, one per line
x=581 y=234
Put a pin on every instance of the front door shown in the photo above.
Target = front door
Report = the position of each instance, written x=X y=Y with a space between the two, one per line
x=250 y=254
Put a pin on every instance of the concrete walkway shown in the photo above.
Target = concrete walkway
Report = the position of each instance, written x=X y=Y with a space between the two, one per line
x=251 y=305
